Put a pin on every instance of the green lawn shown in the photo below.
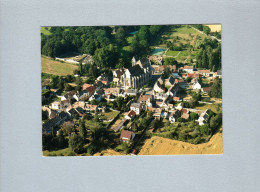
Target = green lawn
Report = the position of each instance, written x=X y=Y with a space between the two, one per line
x=202 y=106
x=50 y=66
x=184 y=53
x=111 y=115
x=172 y=53
x=45 y=31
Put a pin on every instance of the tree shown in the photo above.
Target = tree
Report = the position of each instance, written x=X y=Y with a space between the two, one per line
x=76 y=143
x=67 y=129
x=82 y=129
x=170 y=61
x=204 y=129
x=206 y=30
x=121 y=36
x=193 y=116
x=216 y=89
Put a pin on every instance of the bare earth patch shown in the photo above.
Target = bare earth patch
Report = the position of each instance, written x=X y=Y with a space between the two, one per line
x=163 y=146
x=214 y=28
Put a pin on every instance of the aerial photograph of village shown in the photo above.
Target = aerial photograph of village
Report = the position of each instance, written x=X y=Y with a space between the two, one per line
x=131 y=90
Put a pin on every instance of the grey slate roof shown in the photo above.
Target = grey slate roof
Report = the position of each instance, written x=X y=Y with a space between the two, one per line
x=136 y=70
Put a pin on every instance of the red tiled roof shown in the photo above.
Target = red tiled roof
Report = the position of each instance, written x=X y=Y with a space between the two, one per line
x=144 y=97
x=126 y=134
x=85 y=86
x=131 y=113
x=206 y=89
x=188 y=67
x=176 y=98
x=91 y=89
x=204 y=71
x=185 y=116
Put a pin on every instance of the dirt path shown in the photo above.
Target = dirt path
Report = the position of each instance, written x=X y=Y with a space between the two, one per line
x=162 y=146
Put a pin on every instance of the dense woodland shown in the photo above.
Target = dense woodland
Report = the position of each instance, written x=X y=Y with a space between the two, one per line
x=106 y=44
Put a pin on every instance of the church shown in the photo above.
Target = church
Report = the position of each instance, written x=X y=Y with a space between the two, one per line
x=138 y=75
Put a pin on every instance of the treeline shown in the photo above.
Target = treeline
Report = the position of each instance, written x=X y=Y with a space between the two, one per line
x=105 y=44
x=209 y=56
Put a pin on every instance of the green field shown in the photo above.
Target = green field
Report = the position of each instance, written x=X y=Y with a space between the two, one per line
x=50 y=66
x=111 y=115
x=45 y=31
x=172 y=53
x=213 y=107
x=61 y=152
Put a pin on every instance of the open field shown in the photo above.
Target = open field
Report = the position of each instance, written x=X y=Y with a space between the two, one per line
x=214 y=28
x=56 y=68
x=202 y=106
x=158 y=146
x=109 y=152
x=61 y=152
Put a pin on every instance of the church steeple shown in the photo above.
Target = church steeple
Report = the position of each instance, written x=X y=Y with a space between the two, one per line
x=133 y=61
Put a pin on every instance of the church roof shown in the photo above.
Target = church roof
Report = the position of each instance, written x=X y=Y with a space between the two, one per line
x=136 y=70
x=144 y=62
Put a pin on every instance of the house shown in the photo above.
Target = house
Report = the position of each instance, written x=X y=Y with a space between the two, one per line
x=136 y=107
x=60 y=104
x=119 y=126
x=164 y=114
x=170 y=81
x=130 y=115
x=82 y=95
x=159 y=86
x=117 y=76
x=146 y=100
x=205 y=89
x=185 y=116
x=194 y=75
x=71 y=111
x=182 y=84
x=95 y=97
x=174 y=116
x=137 y=75
x=176 y=98
x=179 y=106
x=114 y=91
x=156 y=59
x=48 y=126
x=156 y=112
x=188 y=69
x=111 y=97
x=204 y=117
x=90 y=88
x=79 y=104
x=204 y=72
x=91 y=108
x=68 y=96
x=45 y=84
x=80 y=111
x=196 y=85
x=174 y=90
x=131 y=92
x=127 y=136
x=51 y=113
